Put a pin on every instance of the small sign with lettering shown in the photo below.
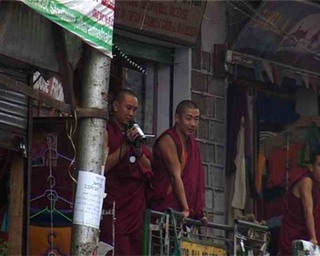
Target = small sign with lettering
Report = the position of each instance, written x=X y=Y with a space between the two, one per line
x=176 y=20
x=189 y=248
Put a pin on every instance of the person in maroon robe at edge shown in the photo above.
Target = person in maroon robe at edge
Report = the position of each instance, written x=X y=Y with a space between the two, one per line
x=301 y=209
x=178 y=180
x=128 y=168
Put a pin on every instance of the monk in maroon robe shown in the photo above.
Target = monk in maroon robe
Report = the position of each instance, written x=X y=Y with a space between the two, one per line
x=301 y=209
x=128 y=168
x=178 y=180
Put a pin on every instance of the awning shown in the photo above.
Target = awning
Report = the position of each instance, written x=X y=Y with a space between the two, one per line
x=282 y=40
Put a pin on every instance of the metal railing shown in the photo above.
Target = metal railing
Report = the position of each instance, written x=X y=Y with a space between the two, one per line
x=165 y=233
x=250 y=238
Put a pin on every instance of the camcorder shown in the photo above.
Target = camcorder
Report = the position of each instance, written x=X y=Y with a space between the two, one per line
x=141 y=138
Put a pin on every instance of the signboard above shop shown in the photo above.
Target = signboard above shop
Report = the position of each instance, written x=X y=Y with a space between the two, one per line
x=176 y=21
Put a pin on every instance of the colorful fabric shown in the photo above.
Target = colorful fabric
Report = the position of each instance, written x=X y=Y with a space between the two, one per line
x=261 y=165
x=126 y=186
x=162 y=198
x=44 y=240
x=293 y=224
x=277 y=166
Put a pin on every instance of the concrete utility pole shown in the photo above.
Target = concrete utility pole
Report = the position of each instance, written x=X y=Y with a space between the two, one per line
x=90 y=149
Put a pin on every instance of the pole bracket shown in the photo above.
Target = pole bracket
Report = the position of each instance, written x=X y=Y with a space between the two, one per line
x=92 y=113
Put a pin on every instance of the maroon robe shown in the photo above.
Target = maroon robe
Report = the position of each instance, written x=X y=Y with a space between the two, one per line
x=192 y=178
x=293 y=225
x=125 y=184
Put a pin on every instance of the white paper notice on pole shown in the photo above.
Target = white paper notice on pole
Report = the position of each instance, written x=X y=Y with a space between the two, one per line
x=89 y=199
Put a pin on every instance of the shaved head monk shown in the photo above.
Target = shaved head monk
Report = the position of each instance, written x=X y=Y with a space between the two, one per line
x=301 y=209
x=128 y=168
x=178 y=180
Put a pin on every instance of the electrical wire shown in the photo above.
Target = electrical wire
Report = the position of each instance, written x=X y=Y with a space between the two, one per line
x=238 y=9
x=144 y=16
x=238 y=21
x=284 y=34
x=71 y=129
x=207 y=18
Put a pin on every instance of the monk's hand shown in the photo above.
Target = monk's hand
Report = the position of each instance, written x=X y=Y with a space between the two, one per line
x=314 y=240
x=185 y=213
x=131 y=135
x=204 y=220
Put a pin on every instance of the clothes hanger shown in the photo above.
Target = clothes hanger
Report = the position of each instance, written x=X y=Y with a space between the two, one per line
x=55 y=251
x=53 y=210
x=55 y=156
x=51 y=192
x=52 y=195
x=51 y=250
x=50 y=150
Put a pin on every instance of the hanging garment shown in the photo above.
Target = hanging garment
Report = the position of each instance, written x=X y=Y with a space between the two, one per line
x=260 y=170
x=237 y=108
x=277 y=166
x=240 y=194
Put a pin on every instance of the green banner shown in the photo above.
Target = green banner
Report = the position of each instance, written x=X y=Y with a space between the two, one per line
x=91 y=20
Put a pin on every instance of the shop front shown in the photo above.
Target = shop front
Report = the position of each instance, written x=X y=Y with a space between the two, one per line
x=28 y=61
x=273 y=108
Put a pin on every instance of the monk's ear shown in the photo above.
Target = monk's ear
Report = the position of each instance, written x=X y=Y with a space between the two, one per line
x=115 y=106
x=176 y=117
